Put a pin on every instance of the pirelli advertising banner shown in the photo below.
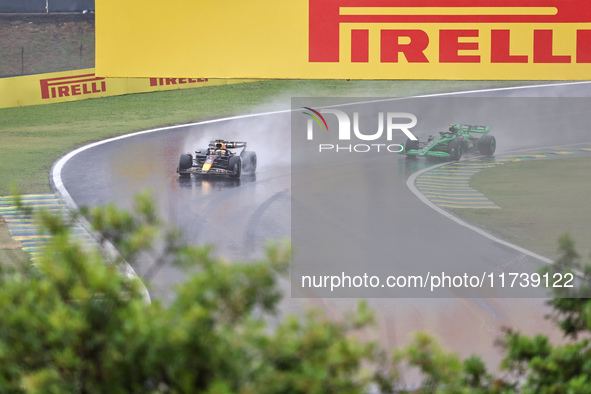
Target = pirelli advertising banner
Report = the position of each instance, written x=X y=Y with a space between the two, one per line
x=83 y=84
x=359 y=39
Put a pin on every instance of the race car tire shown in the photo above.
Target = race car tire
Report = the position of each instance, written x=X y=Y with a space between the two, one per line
x=185 y=162
x=487 y=145
x=411 y=144
x=236 y=166
x=249 y=161
x=455 y=150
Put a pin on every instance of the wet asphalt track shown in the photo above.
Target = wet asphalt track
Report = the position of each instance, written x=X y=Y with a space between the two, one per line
x=237 y=217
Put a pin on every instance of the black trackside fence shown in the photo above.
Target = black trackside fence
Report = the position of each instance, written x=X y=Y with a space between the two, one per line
x=45 y=43
x=45 y=6
x=27 y=61
x=23 y=62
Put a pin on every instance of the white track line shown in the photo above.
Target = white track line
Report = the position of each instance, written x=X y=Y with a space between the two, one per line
x=411 y=185
x=56 y=171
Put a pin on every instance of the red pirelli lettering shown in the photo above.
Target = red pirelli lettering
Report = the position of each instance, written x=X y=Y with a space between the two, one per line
x=500 y=44
x=63 y=91
x=583 y=46
x=174 y=81
x=360 y=46
x=543 y=48
x=71 y=86
x=412 y=51
x=326 y=17
x=450 y=45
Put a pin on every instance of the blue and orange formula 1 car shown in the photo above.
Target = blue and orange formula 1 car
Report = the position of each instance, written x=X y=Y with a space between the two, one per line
x=218 y=159
x=453 y=143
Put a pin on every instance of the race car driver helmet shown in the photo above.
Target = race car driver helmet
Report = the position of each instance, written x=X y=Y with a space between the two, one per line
x=453 y=128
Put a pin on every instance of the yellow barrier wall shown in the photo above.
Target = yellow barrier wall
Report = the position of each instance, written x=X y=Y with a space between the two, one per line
x=84 y=84
x=342 y=39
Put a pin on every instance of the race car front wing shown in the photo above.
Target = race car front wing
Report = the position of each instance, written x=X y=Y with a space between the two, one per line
x=417 y=152
x=211 y=171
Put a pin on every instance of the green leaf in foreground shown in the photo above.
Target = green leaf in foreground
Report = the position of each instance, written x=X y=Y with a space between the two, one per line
x=77 y=325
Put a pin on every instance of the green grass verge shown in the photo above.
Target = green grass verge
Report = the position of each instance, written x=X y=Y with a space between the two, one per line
x=35 y=137
x=539 y=199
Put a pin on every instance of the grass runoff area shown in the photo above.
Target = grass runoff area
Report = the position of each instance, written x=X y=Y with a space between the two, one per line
x=540 y=200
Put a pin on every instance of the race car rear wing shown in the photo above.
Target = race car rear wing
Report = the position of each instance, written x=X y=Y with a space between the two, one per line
x=474 y=129
x=229 y=144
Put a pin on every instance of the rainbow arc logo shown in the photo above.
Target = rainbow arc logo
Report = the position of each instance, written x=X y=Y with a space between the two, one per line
x=317 y=117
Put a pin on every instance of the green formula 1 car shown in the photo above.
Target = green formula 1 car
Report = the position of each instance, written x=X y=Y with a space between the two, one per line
x=453 y=143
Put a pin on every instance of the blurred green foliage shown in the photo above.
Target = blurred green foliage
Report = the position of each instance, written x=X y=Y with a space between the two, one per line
x=75 y=324
x=530 y=364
